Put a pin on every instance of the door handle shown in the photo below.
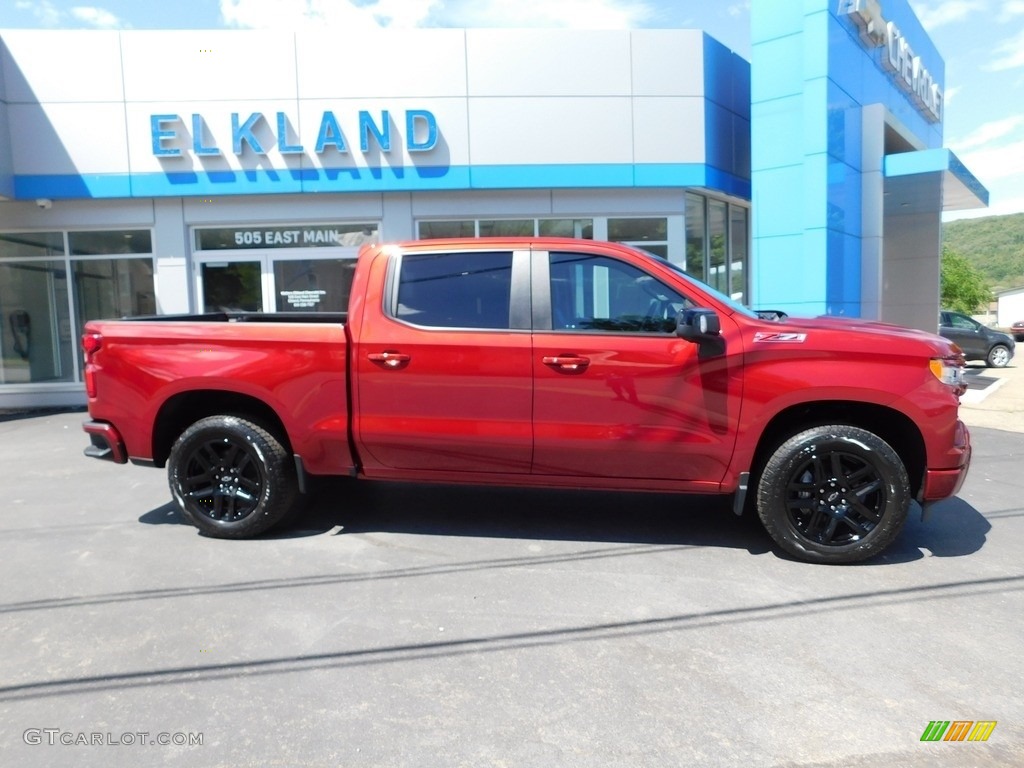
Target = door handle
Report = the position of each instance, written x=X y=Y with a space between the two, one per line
x=569 y=363
x=389 y=359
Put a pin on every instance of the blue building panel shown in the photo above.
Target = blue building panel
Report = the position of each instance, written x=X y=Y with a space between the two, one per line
x=843 y=276
x=777 y=70
x=816 y=65
x=782 y=269
x=776 y=118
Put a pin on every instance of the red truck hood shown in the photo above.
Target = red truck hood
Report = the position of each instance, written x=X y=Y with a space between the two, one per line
x=886 y=332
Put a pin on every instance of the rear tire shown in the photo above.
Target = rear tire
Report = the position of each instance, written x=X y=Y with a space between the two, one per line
x=231 y=478
x=834 y=494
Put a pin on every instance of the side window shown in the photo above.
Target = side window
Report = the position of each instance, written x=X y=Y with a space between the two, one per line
x=596 y=293
x=455 y=290
x=964 y=323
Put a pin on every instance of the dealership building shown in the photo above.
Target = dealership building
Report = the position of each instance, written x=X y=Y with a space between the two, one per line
x=146 y=172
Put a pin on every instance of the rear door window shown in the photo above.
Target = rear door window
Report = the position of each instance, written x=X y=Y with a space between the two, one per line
x=455 y=290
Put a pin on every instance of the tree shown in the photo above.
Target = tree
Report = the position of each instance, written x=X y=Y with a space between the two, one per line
x=963 y=286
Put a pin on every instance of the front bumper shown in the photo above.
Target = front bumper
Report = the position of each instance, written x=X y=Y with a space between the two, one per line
x=106 y=442
x=942 y=483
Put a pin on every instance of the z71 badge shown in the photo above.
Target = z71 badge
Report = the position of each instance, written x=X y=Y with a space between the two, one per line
x=780 y=338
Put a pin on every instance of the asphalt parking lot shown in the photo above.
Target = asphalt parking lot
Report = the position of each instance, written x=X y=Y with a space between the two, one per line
x=411 y=626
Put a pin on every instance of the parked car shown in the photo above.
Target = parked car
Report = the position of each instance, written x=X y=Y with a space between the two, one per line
x=1017 y=329
x=976 y=340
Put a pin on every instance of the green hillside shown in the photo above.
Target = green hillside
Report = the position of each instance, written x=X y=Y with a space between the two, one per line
x=994 y=244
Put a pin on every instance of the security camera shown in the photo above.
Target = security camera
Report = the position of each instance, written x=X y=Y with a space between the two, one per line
x=44 y=203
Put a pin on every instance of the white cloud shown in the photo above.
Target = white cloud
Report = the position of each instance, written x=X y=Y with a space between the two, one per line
x=950 y=94
x=998 y=205
x=739 y=9
x=990 y=132
x=97 y=17
x=43 y=10
x=936 y=14
x=362 y=15
x=579 y=14
x=1011 y=8
x=997 y=162
x=1009 y=54
x=342 y=14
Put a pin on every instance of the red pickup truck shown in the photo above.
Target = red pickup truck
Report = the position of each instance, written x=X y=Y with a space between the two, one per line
x=537 y=362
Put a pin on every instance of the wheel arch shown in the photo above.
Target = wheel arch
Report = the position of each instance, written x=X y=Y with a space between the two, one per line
x=184 y=409
x=893 y=426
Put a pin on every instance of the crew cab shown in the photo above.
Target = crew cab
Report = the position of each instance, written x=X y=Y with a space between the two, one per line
x=540 y=362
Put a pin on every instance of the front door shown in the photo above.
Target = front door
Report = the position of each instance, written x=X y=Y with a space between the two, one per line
x=444 y=374
x=232 y=284
x=617 y=394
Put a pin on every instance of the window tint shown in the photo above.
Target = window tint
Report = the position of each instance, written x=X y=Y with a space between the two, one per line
x=964 y=323
x=596 y=293
x=455 y=290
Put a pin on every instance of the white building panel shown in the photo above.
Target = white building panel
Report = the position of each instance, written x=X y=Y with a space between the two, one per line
x=548 y=62
x=217 y=132
x=324 y=208
x=497 y=203
x=211 y=65
x=450 y=115
x=668 y=130
x=1010 y=308
x=668 y=62
x=62 y=65
x=418 y=63
x=525 y=131
x=638 y=201
x=68 y=138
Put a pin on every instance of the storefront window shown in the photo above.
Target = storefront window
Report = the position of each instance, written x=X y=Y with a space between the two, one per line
x=508 y=228
x=320 y=285
x=106 y=288
x=579 y=228
x=695 y=235
x=738 y=238
x=93 y=243
x=39 y=330
x=718 y=273
x=25 y=245
x=36 y=338
x=437 y=230
x=649 y=234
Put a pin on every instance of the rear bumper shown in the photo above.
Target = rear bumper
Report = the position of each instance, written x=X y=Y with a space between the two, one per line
x=942 y=483
x=106 y=442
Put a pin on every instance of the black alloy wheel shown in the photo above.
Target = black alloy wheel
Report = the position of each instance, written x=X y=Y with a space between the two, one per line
x=231 y=478
x=834 y=494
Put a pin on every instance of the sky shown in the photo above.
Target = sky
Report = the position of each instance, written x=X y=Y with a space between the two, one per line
x=982 y=42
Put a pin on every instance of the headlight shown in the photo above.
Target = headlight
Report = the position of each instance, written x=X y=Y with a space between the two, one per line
x=951 y=371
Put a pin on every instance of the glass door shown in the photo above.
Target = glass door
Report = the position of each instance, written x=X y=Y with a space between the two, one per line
x=278 y=281
x=234 y=284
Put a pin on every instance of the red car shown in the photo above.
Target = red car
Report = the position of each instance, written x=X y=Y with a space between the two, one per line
x=1017 y=330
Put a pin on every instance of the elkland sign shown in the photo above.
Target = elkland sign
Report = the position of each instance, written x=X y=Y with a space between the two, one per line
x=171 y=138
x=898 y=57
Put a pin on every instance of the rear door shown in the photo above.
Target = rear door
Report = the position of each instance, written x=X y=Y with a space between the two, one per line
x=617 y=394
x=443 y=368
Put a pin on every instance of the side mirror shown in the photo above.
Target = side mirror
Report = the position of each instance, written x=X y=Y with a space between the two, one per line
x=698 y=325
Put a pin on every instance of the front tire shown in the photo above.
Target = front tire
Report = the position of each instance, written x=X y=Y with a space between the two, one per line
x=231 y=478
x=834 y=494
x=998 y=356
